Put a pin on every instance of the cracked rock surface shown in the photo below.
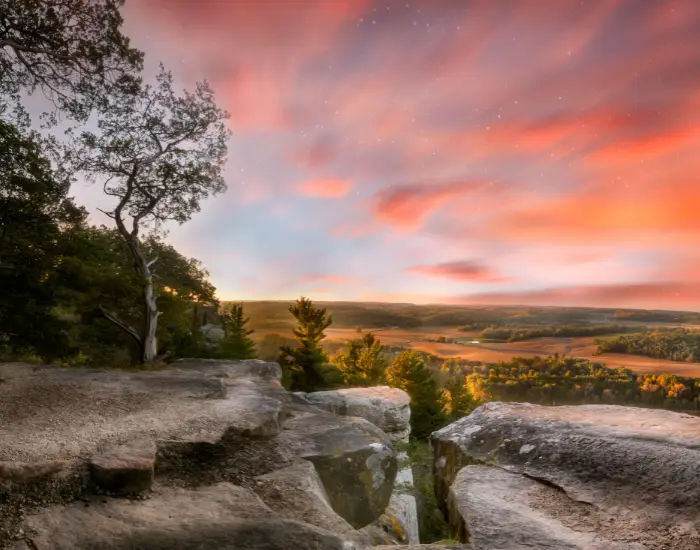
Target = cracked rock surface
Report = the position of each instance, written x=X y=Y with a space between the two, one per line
x=188 y=445
x=629 y=475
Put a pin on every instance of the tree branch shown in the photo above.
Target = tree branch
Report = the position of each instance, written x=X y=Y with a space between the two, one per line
x=111 y=316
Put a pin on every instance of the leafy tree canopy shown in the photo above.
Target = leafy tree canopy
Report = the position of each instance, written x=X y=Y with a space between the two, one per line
x=409 y=373
x=363 y=363
x=159 y=154
x=71 y=50
x=34 y=209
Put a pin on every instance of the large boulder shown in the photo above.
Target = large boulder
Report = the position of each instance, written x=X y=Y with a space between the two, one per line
x=639 y=469
x=218 y=516
x=388 y=409
x=385 y=407
x=354 y=459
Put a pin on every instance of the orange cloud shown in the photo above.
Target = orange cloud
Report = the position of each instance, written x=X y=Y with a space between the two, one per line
x=647 y=147
x=460 y=271
x=325 y=189
x=604 y=212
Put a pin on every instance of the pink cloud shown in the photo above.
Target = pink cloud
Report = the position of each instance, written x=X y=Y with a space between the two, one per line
x=460 y=271
x=325 y=189
x=407 y=206
x=668 y=294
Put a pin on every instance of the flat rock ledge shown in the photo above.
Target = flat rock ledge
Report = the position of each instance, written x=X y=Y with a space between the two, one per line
x=591 y=476
x=210 y=454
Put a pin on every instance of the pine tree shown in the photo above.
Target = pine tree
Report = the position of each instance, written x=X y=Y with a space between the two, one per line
x=237 y=343
x=455 y=399
x=363 y=364
x=409 y=372
x=306 y=366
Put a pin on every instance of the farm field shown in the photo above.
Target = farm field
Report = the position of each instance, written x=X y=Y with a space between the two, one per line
x=424 y=339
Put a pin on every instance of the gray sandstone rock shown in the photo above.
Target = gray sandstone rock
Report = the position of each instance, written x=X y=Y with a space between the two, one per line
x=639 y=469
x=385 y=407
x=498 y=510
x=388 y=409
x=296 y=492
x=219 y=516
x=354 y=459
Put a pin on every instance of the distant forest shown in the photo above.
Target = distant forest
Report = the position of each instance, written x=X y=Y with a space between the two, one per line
x=677 y=345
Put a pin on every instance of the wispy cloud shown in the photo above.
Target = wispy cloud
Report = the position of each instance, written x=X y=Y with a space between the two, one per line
x=460 y=271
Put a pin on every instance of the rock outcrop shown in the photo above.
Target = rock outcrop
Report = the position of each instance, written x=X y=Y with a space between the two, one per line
x=354 y=459
x=591 y=476
x=217 y=516
x=190 y=446
x=389 y=409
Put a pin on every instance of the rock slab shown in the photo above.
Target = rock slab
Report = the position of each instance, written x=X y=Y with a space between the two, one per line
x=219 y=516
x=639 y=469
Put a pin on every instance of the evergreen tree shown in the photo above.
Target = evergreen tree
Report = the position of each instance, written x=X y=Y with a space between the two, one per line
x=364 y=363
x=237 y=343
x=409 y=372
x=306 y=366
x=455 y=399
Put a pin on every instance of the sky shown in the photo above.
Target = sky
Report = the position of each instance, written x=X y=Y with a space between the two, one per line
x=540 y=152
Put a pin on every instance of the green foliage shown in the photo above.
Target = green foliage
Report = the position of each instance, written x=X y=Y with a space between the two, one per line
x=677 y=344
x=94 y=275
x=363 y=363
x=34 y=209
x=306 y=366
x=409 y=372
x=456 y=399
x=558 y=380
x=237 y=343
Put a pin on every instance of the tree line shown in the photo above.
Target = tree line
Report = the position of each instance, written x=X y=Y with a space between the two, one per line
x=676 y=344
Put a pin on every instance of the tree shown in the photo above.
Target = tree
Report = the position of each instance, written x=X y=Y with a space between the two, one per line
x=34 y=208
x=363 y=364
x=306 y=366
x=159 y=155
x=237 y=343
x=409 y=373
x=94 y=270
x=455 y=399
x=71 y=50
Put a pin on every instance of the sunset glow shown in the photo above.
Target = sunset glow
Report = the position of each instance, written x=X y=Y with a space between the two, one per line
x=445 y=151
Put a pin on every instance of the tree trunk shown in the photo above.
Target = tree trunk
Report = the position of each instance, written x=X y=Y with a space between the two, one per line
x=150 y=342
